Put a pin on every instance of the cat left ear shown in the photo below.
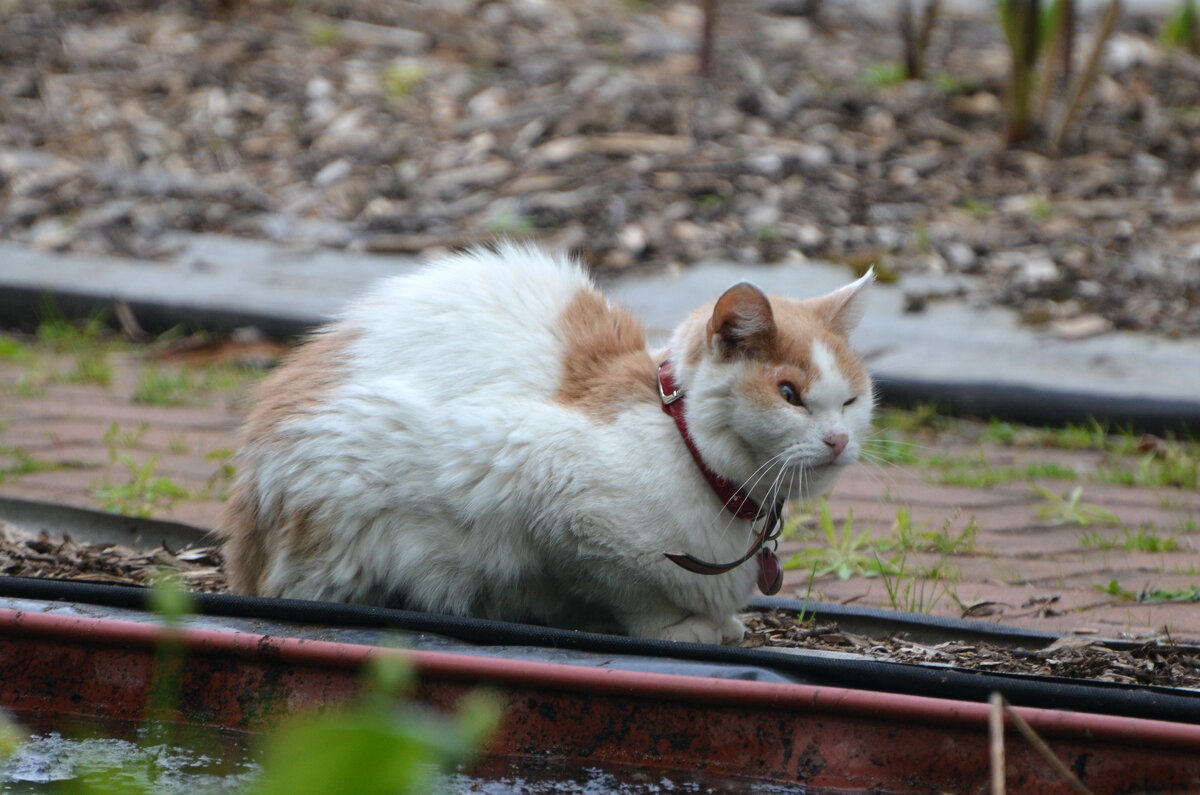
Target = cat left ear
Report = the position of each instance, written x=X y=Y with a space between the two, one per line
x=742 y=320
x=845 y=307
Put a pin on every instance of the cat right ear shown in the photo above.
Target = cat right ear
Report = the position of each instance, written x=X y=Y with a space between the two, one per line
x=742 y=321
x=845 y=307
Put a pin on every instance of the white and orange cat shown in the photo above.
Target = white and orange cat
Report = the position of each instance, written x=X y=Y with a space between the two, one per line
x=490 y=437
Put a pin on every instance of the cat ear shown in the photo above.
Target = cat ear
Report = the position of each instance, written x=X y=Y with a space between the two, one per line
x=845 y=307
x=742 y=319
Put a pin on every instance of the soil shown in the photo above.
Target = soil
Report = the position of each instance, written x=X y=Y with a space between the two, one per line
x=417 y=125
x=1157 y=662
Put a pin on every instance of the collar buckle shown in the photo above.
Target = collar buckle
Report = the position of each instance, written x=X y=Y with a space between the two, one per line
x=676 y=392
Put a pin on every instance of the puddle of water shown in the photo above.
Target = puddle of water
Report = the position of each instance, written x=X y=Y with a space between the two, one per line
x=504 y=776
x=48 y=759
x=204 y=764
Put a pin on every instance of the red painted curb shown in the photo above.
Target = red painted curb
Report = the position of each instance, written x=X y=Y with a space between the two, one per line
x=818 y=736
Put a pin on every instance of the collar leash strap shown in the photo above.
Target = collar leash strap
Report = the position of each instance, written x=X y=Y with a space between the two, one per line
x=737 y=500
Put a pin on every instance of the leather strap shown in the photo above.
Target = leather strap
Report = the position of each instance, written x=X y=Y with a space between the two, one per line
x=736 y=499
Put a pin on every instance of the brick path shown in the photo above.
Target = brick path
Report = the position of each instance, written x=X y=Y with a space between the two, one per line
x=1024 y=569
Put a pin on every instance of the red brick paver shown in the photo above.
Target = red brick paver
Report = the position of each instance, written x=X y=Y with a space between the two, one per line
x=1021 y=568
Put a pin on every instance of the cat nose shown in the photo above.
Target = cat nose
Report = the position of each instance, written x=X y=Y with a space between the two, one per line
x=836 y=442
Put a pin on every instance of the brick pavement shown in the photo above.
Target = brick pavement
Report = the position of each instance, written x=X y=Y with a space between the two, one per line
x=57 y=443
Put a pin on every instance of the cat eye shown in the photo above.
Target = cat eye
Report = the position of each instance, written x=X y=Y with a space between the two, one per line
x=850 y=402
x=790 y=394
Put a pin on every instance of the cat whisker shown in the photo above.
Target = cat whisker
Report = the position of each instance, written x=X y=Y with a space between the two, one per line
x=765 y=470
x=881 y=472
x=882 y=441
x=762 y=472
x=773 y=492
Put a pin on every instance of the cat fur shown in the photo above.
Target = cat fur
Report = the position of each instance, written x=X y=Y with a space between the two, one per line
x=484 y=437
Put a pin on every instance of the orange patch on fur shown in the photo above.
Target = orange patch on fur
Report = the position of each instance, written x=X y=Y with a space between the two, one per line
x=789 y=356
x=799 y=326
x=300 y=384
x=605 y=363
x=298 y=387
x=762 y=385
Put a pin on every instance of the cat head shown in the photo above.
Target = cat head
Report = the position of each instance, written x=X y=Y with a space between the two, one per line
x=775 y=393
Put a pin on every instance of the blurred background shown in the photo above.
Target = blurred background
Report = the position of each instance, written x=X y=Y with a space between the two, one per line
x=1050 y=147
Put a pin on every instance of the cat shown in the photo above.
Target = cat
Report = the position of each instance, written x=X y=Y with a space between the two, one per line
x=490 y=437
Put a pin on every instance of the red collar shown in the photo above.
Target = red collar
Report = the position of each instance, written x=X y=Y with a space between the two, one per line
x=736 y=499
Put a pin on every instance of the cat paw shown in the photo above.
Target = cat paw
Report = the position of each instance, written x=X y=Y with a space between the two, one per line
x=693 y=630
x=733 y=631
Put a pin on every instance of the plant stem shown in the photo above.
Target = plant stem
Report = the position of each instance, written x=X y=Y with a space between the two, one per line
x=707 y=35
x=916 y=37
x=1090 y=70
x=1024 y=56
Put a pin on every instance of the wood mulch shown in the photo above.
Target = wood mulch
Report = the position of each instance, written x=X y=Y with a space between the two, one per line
x=1152 y=663
x=27 y=554
x=408 y=126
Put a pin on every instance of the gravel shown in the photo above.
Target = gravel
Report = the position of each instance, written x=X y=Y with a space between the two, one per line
x=424 y=124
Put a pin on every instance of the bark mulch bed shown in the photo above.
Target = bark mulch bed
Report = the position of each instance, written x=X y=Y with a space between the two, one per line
x=1152 y=663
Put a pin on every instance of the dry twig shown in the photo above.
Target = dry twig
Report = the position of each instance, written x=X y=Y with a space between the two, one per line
x=1039 y=746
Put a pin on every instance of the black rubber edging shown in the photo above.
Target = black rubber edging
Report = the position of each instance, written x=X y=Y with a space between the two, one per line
x=21 y=307
x=91 y=525
x=1156 y=703
x=1029 y=405
x=85 y=524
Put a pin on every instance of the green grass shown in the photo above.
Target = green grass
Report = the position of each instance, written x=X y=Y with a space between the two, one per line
x=922 y=419
x=142 y=493
x=977 y=208
x=1149 y=595
x=844 y=553
x=1141 y=540
x=165 y=387
x=886 y=448
x=956 y=85
x=16 y=462
x=1040 y=208
x=1128 y=458
x=1070 y=509
x=884 y=73
x=1182 y=28
x=114 y=437
x=1175 y=468
x=323 y=35
x=920 y=594
x=1004 y=433
x=909 y=537
x=90 y=368
x=1092 y=435
x=400 y=80
x=977 y=472
x=64 y=335
x=13 y=350
x=89 y=342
